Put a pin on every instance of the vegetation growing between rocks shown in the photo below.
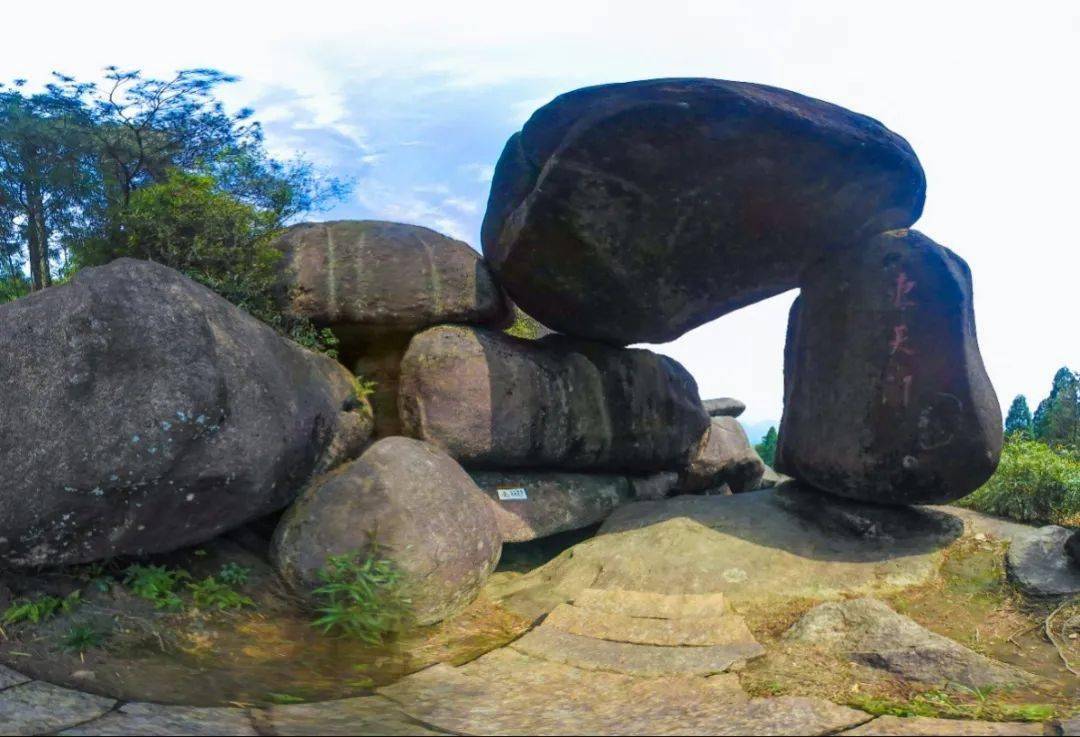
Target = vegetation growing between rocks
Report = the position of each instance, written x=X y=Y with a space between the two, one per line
x=360 y=598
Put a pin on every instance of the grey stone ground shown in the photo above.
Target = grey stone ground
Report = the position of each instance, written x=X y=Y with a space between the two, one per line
x=615 y=662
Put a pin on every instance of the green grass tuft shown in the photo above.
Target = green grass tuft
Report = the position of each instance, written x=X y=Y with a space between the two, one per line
x=360 y=600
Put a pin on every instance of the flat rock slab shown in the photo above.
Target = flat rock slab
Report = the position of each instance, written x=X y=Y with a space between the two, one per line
x=1038 y=564
x=889 y=725
x=355 y=716
x=552 y=644
x=514 y=694
x=728 y=629
x=41 y=708
x=868 y=631
x=648 y=604
x=158 y=719
x=767 y=546
x=9 y=678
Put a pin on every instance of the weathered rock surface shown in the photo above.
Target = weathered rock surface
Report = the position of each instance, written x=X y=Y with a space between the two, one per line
x=553 y=502
x=889 y=725
x=505 y=692
x=1072 y=548
x=649 y=605
x=723 y=456
x=635 y=212
x=41 y=708
x=724 y=407
x=649 y=661
x=417 y=504
x=654 y=486
x=771 y=545
x=886 y=398
x=157 y=719
x=361 y=715
x=143 y=413
x=869 y=632
x=725 y=629
x=376 y=360
x=1038 y=563
x=365 y=276
x=490 y=400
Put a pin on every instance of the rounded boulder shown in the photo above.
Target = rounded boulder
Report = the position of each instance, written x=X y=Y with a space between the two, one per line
x=416 y=505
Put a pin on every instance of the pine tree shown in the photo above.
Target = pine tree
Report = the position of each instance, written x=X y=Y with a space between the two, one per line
x=1057 y=418
x=1019 y=418
x=767 y=447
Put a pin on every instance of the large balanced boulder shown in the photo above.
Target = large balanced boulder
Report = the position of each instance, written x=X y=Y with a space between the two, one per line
x=886 y=397
x=533 y=504
x=723 y=455
x=415 y=506
x=634 y=212
x=142 y=413
x=494 y=401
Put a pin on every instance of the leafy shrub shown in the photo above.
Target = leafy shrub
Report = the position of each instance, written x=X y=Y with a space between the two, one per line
x=360 y=600
x=156 y=584
x=210 y=593
x=234 y=574
x=81 y=638
x=1034 y=483
x=42 y=608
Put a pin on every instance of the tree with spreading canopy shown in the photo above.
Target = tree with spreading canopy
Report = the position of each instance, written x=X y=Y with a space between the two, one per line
x=148 y=168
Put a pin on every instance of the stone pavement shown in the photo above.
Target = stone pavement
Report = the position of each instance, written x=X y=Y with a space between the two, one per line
x=612 y=662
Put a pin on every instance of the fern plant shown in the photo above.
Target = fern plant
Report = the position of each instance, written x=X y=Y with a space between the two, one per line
x=360 y=598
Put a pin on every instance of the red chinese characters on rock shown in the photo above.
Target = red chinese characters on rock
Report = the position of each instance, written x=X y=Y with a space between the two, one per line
x=900 y=370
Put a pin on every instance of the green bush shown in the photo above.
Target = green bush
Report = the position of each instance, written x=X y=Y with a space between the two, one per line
x=1034 y=483
x=360 y=598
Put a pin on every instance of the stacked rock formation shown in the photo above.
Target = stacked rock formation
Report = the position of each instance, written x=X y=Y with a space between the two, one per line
x=152 y=414
x=634 y=212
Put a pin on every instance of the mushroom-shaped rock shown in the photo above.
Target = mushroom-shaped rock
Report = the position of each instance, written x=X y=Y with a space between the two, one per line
x=375 y=284
x=417 y=505
x=143 y=413
x=494 y=401
x=723 y=456
x=886 y=398
x=724 y=407
x=634 y=212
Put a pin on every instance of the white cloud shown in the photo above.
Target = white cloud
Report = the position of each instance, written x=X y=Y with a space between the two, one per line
x=985 y=98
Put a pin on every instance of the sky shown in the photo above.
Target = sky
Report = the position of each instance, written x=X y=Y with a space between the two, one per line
x=413 y=101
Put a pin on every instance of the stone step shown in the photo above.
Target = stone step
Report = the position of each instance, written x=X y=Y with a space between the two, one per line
x=727 y=629
x=514 y=694
x=550 y=643
x=647 y=604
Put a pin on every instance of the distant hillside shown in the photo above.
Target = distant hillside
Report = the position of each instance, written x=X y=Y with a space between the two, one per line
x=756 y=430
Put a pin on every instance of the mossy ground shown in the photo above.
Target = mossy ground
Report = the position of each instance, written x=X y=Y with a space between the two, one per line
x=969 y=602
x=265 y=653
